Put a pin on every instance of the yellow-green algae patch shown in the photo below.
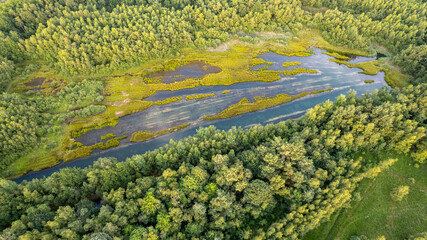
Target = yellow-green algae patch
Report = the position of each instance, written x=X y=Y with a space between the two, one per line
x=244 y=106
x=146 y=135
x=369 y=68
x=85 y=151
x=199 y=96
x=290 y=64
x=393 y=77
x=132 y=84
x=337 y=55
x=168 y=100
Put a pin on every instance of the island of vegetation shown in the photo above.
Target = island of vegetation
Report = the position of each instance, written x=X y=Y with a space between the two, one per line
x=244 y=106
x=146 y=135
x=289 y=64
x=168 y=100
x=347 y=169
x=199 y=96
x=276 y=181
x=108 y=136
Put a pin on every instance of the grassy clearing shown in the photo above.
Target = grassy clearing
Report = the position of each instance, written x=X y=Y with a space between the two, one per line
x=394 y=77
x=244 y=106
x=376 y=214
x=146 y=135
x=199 y=96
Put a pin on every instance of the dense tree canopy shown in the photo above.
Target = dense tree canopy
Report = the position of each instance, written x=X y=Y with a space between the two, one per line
x=272 y=182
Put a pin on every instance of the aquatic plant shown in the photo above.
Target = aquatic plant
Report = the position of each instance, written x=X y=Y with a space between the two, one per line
x=146 y=135
x=107 y=136
x=244 y=106
x=168 y=100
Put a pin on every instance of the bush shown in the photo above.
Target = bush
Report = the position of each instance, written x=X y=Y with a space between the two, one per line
x=399 y=192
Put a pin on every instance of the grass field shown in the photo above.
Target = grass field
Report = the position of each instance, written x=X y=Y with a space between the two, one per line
x=375 y=214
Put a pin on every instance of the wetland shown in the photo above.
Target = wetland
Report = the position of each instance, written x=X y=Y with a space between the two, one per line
x=176 y=114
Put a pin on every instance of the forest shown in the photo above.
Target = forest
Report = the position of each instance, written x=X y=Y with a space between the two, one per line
x=272 y=182
x=278 y=181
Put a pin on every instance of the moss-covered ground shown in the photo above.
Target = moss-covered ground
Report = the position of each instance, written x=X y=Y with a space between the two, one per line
x=374 y=213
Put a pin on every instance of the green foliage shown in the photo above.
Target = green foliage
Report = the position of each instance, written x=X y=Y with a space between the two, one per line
x=24 y=124
x=145 y=135
x=244 y=106
x=199 y=96
x=81 y=93
x=375 y=213
x=167 y=101
x=19 y=124
x=289 y=64
x=355 y=23
x=108 y=135
x=92 y=38
x=369 y=81
x=111 y=143
x=7 y=68
x=273 y=182
x=419 y=236
x=277 y=181
x=414 y=61
x=337 y=55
